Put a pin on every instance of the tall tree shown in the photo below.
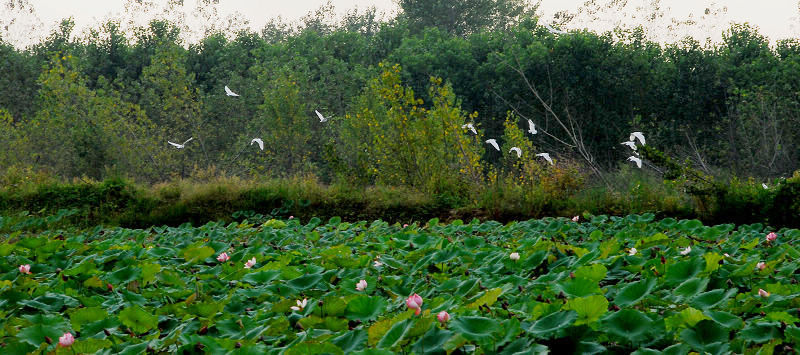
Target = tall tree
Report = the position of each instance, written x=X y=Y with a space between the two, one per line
x=463 y=17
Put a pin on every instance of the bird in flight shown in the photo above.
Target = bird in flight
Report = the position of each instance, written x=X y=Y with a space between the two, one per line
x=321 y=117
x=259 y=141
x=636 y=160
x=531 y=127
x=637 y=135
x=764 y=186
x=180 y=146
x=493 y=142
x=546 y=156
x=555 y=31
x=516 y=149
x=470 y=127
x=229 y=92
x=630 y=144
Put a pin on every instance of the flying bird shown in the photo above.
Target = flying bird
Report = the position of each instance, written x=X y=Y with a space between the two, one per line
x=180 y=146
x=229 y=92
x=764 y=186
x=531 y=127
x=555 y=31
x=321 y=117
x=516 y=149
x=493 y=142
x=637 y=135
x=470 y=127
x=630 y=144
x=546 y=156
x=635 y=160
x=259 y=141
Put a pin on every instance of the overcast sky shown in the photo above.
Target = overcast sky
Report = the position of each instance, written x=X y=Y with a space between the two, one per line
x=776 y=19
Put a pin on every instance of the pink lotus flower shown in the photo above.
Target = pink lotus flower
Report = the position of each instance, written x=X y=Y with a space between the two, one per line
x=686 y=251
x=223 y=257
x=514 y=256
x=291 y=217
x=300 y=305
x=25 y=269
x=763 y=293
x=632 y=252
x=576 y=218
x=771 y=236
x=250 y=263
x=361 y=285
x=405 y=225
x=66 y=340
x=727 y=255
x=443 y=317
x=414 y=302
x=761 y=265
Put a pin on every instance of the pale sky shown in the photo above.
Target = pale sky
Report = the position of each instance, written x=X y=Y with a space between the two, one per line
x=777 y=19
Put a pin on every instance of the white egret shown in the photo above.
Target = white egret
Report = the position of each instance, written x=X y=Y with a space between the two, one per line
x=764 y=186
x=493 y=142
x=546 y=156
x=630 y=144
x=531 y=127
x=516 y=149
x=321 y=117
x=180 y=146
x=470 y=127
x=229 y=92
x=555 y=31
x=637 y=135
x=636 y=160
x=259 y=141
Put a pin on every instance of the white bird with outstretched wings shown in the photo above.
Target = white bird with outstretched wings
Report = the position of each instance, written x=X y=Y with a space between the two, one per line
x=637 y=135
x=532 y=127
x=493 y=142
x=321 y=117
x=259 y=141
x=229 y=92
x=180 y=146
x=470 y=127
x=635 y=160
x=516 y=149
x=546 y=156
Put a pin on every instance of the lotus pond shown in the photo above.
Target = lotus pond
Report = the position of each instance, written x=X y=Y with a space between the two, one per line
x=600 y=285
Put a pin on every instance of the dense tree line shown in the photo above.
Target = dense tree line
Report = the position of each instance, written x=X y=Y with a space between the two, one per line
x=397 y=93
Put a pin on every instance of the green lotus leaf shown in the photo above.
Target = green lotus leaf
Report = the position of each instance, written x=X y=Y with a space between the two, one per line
x=589 y=309
x=711 y=298
x=578 y=287
x=628 y=325
x=706 y=335
x=396 y=334
x=137 y=319
x=682 y=271
x=365 y=308
x=475 y=328
x=552 y=324
x=634 y=292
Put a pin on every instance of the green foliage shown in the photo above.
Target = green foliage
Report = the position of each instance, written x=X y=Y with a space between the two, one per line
x=569 y=292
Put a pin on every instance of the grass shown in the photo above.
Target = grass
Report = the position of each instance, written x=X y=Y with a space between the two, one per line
x=125 y=203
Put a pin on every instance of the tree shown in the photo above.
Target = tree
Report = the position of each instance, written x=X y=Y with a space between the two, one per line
x=463 y=17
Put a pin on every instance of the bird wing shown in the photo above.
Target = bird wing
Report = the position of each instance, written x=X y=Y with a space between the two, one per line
x=553 y=30
x=472 y=128
x=187 y=141
x=639 y=136
x=516 y=149
x=259 y=141
x=321 y=117
x=229 y=92
x=176 y=145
